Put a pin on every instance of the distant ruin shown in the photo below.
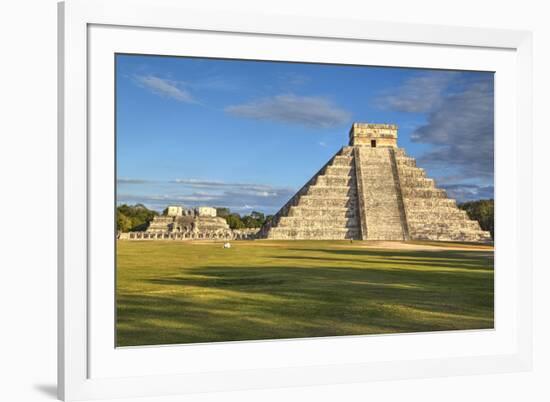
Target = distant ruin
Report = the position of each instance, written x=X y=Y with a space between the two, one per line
x=179 y=223
x=371 y=190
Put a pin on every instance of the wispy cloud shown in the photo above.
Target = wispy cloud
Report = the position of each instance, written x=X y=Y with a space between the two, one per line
x=162 y=200
x=420 y=94
x=469 y=192
x=212 y=184
x=293 y=79
x=194 y=192
x=165 y=88
x=236 y=201
x=125 y=180
x=462 y=130
x=459 y=112
x=215 y=83
x=309 y=111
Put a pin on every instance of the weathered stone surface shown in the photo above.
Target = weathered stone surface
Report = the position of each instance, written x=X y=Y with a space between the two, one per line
x=189 y=224
x=372 y=190
x=235 y=234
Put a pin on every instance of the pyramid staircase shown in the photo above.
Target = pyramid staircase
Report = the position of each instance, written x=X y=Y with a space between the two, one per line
x=372 y=192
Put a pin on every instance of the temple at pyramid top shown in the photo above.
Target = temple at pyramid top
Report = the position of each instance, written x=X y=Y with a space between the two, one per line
x=372 y=190
x=373 y=135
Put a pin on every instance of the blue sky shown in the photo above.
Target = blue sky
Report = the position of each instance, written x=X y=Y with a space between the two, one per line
x=248 y=134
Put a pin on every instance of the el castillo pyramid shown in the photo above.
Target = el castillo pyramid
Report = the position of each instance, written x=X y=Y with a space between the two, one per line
x=371 y=190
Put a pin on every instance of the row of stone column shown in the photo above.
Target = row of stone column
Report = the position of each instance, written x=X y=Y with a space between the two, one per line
x=187 y=236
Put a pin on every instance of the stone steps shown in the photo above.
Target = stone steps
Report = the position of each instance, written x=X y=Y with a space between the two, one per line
x=431 y=193
x=375 y=167
x=399 y=152
x=426 y=203
x=410 y=172
x=342 y=161
x=436 y=216
x=441 y=229
x=373 y=234
x=383 y=219
x=326 y=202
x=456 y=236
x=321 y=213
x=405 y=161
x=415 y=226
x=331 y=191
x=430 y=214
x=379 y=194
x=339 y=171
x=309 y=233
x=417 y=182
x=327 y=208
x=316 y=223
x=373 y=193
x=328 y=180
x=346 y=151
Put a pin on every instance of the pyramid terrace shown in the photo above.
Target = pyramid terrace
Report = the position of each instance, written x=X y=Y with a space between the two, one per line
x=371 y=190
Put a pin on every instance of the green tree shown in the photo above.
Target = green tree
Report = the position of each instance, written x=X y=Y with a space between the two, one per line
x=222 y=212
x=268 y=219
x=250 y=222
x=482 y=211
x=258 y=216
x=234 y=221
x=134 y=217
x=123 y=223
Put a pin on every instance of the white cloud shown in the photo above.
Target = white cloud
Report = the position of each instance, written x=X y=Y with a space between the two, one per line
x=212 y=184
x=194 y=192
x=461 y=129
x=125 y=180
x=419 y=94
x=459 y=113
x=293 y=79
x=310 y=111
x=469 y=192
x=166 y=88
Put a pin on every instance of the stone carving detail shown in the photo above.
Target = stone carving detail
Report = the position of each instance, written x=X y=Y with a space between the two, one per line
x=372 y=190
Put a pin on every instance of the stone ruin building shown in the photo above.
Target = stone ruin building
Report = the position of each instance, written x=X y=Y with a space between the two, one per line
x=178 y=219
x=371 y=190
x=180 y=223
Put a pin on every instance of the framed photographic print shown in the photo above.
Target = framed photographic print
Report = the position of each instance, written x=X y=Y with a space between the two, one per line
x=260 y=201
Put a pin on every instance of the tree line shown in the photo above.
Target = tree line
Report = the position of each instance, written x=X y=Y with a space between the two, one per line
x=136 y=218
x=482 y=211
x=132 y=218
x=235 y=221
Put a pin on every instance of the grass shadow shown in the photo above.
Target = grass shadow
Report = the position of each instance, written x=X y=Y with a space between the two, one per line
x=203 y=294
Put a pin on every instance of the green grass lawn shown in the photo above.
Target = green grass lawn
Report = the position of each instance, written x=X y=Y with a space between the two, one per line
x=183 y=292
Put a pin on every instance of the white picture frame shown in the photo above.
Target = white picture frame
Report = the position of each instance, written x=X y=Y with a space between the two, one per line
x=90 y=32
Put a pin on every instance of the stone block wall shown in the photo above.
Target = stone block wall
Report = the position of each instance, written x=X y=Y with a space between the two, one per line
x=161 y=224
x=430 y=214
x=326 y=208
x=384 y=135
x=380 y=203
x=362 y=192
x=372 y=194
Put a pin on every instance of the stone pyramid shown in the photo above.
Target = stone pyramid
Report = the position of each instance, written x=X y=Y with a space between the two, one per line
x=371 y=190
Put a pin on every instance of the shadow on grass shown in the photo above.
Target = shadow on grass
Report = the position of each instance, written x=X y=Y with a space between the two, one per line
x=427 y=254
x=379 y=292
